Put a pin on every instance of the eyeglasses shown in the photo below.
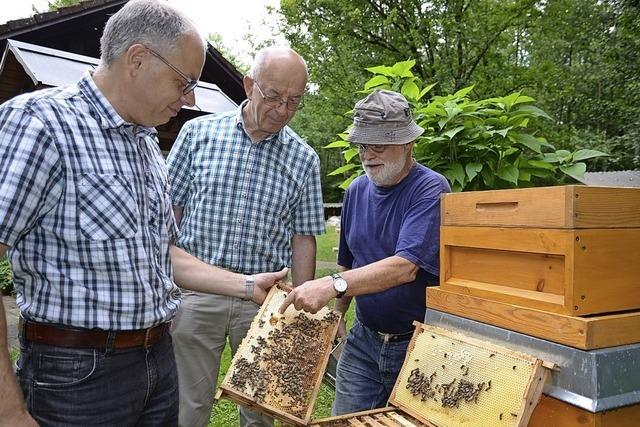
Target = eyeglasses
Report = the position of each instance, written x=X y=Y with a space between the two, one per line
x=275 y=101
x=191 y=84
x=376 y=148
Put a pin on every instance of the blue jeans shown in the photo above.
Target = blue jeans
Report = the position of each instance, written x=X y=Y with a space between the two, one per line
x=367 y=370
x=87 y=387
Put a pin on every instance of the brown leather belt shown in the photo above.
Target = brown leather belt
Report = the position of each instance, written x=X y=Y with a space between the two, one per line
x=60 y=336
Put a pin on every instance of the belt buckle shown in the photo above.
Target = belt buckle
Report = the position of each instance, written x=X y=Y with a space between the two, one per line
x=385 y=337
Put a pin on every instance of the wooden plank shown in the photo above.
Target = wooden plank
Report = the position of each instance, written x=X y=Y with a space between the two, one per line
x=606 y=270
x=602 y=207
x=532 y=207
x=544 y=207
x=533 y=393
x=403 y=421
x=553 y=412
x=344 y=417
x=370 y=421
x=385 y=421
x=586 y=333
x=531 y=271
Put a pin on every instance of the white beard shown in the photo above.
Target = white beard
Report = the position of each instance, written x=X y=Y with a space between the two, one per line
x=387 y=174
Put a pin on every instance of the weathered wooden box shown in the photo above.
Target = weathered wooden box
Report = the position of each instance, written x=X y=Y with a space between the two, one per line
x=570 y=206
x=574 y=272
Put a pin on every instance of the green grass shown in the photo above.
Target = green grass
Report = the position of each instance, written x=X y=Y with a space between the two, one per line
x=13 y=354
x=325 y=244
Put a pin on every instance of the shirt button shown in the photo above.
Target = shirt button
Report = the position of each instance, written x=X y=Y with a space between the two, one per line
x=236 y=246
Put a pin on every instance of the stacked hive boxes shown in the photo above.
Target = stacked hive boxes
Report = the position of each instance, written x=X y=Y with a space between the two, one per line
x=559 y=263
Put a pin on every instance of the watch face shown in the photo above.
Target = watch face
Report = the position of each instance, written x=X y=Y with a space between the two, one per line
x=340 y=285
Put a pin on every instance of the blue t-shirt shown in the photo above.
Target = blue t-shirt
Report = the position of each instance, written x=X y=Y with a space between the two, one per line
x=402 y=220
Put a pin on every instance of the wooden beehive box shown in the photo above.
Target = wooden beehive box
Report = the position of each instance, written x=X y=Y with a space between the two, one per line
x=569 y=206
x=571 y=272
x=570 y=250
x=448 y=379
x=279 y=365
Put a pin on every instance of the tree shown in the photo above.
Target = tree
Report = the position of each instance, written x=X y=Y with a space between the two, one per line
x=578 y=58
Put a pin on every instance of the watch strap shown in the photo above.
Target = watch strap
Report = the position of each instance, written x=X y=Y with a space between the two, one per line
x=249 y=286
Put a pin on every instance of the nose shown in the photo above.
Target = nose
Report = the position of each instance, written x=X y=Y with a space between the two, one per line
x=366 y=154
x=281 y=108
x=189 y=99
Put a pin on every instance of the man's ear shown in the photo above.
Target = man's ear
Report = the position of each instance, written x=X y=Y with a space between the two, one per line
x=134 y=58
x=247 y=82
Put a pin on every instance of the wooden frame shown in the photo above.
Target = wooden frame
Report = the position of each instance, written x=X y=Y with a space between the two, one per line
x=266 y=314
x=382 y=417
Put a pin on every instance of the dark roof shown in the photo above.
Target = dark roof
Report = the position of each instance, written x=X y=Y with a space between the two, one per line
x=26 y=67
x=77 y=29
x=50 y=68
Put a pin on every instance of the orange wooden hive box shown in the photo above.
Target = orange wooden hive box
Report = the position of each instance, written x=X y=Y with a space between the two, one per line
x=570 y=250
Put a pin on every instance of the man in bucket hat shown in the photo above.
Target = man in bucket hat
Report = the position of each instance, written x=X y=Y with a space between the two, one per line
x=388 y=255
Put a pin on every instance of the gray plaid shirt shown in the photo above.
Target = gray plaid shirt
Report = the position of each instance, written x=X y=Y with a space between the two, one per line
x=85 y=207
x=243 y=202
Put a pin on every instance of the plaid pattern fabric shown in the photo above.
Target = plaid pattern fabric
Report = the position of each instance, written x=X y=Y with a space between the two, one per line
x=243 y=202
x=85 y=207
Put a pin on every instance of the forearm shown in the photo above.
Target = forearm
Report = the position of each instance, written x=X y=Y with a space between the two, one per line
x=12 y=398
x=372 y=278
x=196 y=275
x=380 y=275
x=11 y=404
x=303 y=259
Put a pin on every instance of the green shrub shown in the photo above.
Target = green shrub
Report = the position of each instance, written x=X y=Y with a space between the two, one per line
x=477 y=144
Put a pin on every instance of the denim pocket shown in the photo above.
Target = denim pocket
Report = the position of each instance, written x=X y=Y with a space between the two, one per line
x=107 y=207
x=58 y=370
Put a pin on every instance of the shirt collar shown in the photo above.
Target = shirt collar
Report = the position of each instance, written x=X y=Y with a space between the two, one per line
x=107 y=115
x=274 y=137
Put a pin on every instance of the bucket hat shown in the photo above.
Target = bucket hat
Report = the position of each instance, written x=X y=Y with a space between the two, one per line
x=383 y=117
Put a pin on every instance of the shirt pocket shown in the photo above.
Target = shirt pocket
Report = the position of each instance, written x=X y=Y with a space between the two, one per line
x=107 y=207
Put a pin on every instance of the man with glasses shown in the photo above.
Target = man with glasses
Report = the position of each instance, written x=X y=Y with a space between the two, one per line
x=388 y=253
x=87 y=223
x=246 y=193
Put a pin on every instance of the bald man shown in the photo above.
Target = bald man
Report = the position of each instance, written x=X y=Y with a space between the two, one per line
x=246 y=194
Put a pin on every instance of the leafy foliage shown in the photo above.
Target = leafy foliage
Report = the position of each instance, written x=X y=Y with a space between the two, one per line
x=477 y=144
x=577 y=58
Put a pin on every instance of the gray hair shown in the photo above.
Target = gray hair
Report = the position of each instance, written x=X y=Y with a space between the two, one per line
x=150 y=22
x=263 y=54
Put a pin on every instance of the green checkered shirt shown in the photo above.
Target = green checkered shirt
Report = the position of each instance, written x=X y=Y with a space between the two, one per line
x=243 y=202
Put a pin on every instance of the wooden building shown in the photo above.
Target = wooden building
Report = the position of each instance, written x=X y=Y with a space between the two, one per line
x=55 y=48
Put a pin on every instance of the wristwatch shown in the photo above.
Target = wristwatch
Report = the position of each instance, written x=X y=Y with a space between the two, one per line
x=339 y=284
x=249 y=284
